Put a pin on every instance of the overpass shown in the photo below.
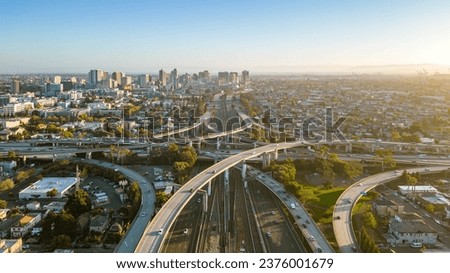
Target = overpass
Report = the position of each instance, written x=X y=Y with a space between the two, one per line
x=342 y=213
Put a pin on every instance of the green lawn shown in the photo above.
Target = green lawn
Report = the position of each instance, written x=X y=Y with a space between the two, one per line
x=322 y=210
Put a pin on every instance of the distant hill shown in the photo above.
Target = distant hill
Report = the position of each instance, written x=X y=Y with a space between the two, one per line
x=332 y=69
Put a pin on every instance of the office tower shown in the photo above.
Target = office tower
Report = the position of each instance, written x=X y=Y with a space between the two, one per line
x=223 y=77
x=57 y=79
x=144 y=80
x=95 y=76
x=162 y=77
x=245 y=76
x=52 y=89
x=204 y=75
x=174 y=78
x=126 y=81
x=117 y=76
x=15 y=86
x=233 y=77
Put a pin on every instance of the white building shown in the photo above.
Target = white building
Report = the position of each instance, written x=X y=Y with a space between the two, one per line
x=11 y=246
x=25 y=225
x=405 y=190
x=55 y=206
x=408 y=228
x=40 y=188
x=35 y=205
x=19 y=107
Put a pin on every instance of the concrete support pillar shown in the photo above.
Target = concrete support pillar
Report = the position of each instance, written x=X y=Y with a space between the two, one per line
x=209 y=188
x=54 y=157
x=226 y=175
x=265 y=159
x=416 y=149
x=275 y=154
x=199 y=145
x=399 y=148
x=372 y=148
x=24 y=160
x=348 y=148
x=218 y=144
x=205 y=202
x=244 y=171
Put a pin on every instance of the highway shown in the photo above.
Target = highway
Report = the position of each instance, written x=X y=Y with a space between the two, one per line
x=342 y=214
x=146 y=211
x=300 y=215
x=151 y=240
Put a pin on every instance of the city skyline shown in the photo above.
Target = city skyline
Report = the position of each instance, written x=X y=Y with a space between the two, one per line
x=261 y=36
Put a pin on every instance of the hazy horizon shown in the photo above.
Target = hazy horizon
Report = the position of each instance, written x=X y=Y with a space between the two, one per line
x=261 y=36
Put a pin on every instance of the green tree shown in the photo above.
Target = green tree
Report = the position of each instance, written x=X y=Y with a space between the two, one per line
x=52 y=193
x=78 y=203
x=307 y=196
x=353 y=169
x=161 y=198
x=58 y=224
x=12 y=155
x=369 y=219
x=173 y=151
x=61 y=241
x=386 y=157
x=430 y=208
x=6 y=184
x=182 y=169
x=3 y=204
x=188 y=155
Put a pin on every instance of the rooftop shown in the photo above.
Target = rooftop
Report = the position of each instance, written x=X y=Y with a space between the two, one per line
x=48 y=183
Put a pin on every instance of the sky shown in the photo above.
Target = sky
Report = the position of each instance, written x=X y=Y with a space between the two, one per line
x=54 y=36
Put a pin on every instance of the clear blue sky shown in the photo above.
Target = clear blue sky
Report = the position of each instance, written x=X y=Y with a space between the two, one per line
x=143 y=36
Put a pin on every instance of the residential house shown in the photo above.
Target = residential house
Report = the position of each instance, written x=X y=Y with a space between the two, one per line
x=11 y=246
x=383 y=208
x=25 y=225
x=99 y=223
x=408 y=228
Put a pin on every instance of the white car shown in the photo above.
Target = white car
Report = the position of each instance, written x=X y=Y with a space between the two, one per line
x=160 y=231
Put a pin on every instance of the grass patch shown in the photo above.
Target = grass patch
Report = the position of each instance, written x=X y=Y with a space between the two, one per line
x=322 y=210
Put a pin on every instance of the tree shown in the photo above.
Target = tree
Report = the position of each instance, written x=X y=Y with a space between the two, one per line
x=12 y=155
x=161 y=198
x=3 y=204
x=307 y=196
x=369 y=219
x=58 y=224
x=430 y=208
x=61 y=241
x=182 y=168
x=353 y=169
x=386 y=157
x=6 y=184
x=78 y=203
x=173 y=151
x=52 y=193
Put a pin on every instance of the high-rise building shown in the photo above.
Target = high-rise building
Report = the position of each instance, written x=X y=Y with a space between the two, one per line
x=126 y=81
x=144 y=80
x=174 y=78
x=52 y=89
x=204 y=75
x=163 y=77
x=57 y=79
x=245 y=76
x=15 y=86
x=117 y=76
x=233 y=77
x=95 y=76
x=223 y=77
